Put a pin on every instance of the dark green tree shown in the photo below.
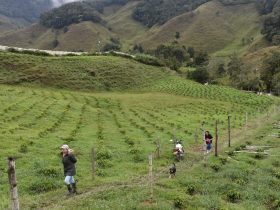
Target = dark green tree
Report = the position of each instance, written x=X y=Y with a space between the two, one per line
x=200 y=75
x=201 y=58
x=191 y=52
x=235 y=70
x=172 y=55
x=177 y=35
x=221 y=70
x=270 y=71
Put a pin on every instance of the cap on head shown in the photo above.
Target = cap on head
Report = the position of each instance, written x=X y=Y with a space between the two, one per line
x=65 y=146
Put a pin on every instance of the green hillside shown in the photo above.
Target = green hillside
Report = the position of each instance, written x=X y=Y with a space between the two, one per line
x=235 y=23
x=28 y=10
x=125 y=27
x=77 y=72
x=18 y=14
x=239 y=29
x=109 y=73
x=9 y=24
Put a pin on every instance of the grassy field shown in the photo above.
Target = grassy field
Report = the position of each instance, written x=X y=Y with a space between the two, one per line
x=77 y=72
x=66 y=100
x=123 y=127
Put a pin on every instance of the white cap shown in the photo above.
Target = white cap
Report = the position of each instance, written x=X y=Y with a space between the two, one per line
x=65 y=146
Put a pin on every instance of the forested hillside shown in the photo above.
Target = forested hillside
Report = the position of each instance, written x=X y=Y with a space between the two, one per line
x=77 y=12
x=271 y=27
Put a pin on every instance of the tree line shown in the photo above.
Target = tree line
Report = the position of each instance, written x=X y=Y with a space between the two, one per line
x=70 y=13
x=154 y=12
x=77 y=12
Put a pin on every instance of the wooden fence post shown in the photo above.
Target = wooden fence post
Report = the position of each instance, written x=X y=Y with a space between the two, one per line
x=151 y=177
x=216 y=139
x=93 y=162
x=229 y=136
x=158 y=148
x=203 y=136
x=13 y=183
x=246 y=120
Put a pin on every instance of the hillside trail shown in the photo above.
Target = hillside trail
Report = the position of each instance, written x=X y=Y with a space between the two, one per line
x=163 y=172
x=63 y=53
x=237 y=135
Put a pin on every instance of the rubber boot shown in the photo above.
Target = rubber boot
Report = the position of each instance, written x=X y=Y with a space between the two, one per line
x=74 y=188
x=69 y=189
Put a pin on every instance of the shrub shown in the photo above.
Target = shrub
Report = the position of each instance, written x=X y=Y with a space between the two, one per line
x=103 y=163
x=243 y=146
x=138 y=158
x=100 y=172
x=252 y=162
x=13 y=50
x=223 y=160
x=231 y=153
x=48 y=172
x=200 y=75
x=148 y=59
x=23 y=148
x=36 y=52
x=238 y=148
x=276 y=163
x=178 y=203
x=103 y=154
x=259 y=156
x=276 y=204
x=260 y=150
x=216 y=167
x=233 y=196
x=42 y=185
x=134 y=151
x=248 y=142
x=276 y=173
x=129 y=142
x=192 y=189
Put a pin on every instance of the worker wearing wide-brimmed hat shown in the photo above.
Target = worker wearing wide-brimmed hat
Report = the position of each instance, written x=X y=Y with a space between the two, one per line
x=69 y=160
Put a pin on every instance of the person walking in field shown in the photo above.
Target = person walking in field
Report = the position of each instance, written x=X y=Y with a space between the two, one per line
x=69 y=161
x=208 y=140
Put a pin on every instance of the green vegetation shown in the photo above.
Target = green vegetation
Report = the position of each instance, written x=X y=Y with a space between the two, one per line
x=237 y=2
x=177 y=86
x=77 y=72
x=173 y=56
x=123 y=127
x=70 y=13
x=270 y=74
x=236 y=23
x=158 y=12
x=271 y=28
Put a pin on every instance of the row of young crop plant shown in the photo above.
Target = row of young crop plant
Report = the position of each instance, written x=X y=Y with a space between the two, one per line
x=55 y=125
x=24 y=113
x=218 y=93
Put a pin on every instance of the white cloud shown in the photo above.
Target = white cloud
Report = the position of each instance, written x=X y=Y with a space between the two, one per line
x=57 y=3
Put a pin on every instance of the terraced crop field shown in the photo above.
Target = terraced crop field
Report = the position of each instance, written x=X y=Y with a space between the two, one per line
x=122 y=127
